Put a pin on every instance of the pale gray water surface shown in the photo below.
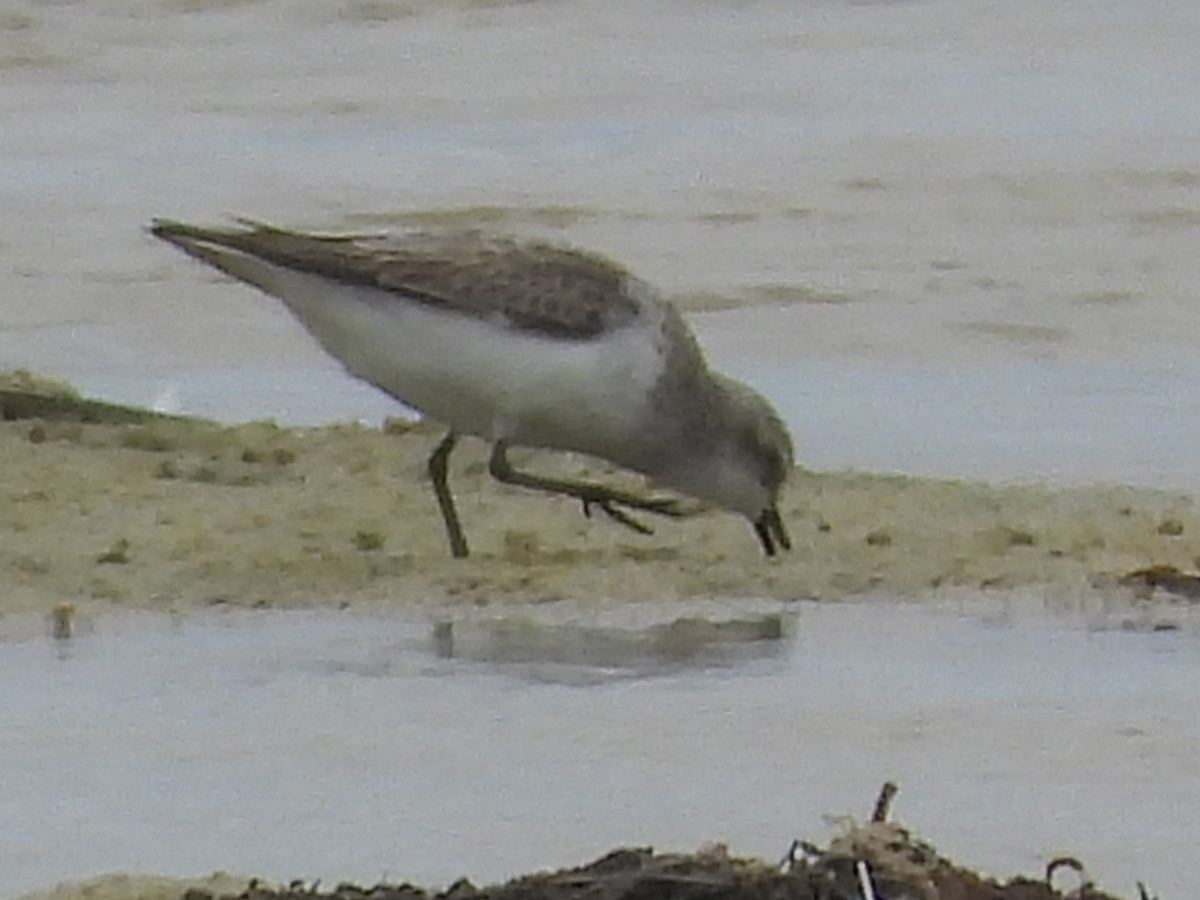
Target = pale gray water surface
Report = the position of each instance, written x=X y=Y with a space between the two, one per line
x=340 y=745
x=940 y=207
x=965 y=239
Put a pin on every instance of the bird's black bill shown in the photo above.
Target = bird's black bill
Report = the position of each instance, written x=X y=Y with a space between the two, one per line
x=770 y=531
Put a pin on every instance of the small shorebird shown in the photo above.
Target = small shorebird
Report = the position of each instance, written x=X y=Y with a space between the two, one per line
x=523 y=343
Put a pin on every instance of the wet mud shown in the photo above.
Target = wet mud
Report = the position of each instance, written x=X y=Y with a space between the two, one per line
x=876 y=859
x=105 y=505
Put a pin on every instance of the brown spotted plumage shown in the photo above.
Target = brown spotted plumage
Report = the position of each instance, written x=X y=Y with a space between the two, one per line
x=537 y=286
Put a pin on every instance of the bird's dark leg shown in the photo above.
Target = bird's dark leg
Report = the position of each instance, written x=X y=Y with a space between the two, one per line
x=607 y=499
x=438 y=463
x=769 y=528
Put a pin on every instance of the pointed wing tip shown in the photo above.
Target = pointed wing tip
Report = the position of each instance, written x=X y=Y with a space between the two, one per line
x=171 y=230
x=160 y=226
x=174 y=229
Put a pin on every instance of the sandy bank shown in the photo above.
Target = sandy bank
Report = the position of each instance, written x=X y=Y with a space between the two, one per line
x=146 y=511
x=140 y=887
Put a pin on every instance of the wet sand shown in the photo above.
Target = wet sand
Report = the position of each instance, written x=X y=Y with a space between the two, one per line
x=179 y=514
x=141 y=887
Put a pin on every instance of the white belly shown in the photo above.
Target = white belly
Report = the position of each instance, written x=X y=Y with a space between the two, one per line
x=484 y=377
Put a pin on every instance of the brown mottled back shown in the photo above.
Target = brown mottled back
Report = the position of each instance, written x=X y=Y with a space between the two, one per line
x=535 y=286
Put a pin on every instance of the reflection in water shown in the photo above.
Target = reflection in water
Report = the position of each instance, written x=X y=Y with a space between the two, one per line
x=353 y=746
x=683 y=642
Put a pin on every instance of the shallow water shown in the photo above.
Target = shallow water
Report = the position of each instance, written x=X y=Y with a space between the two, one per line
x=341 y=746
x=937 y=210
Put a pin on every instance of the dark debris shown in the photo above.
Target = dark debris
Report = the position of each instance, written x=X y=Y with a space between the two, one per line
x=900 y=867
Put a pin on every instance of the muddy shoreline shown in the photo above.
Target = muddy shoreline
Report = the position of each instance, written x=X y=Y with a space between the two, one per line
x=109 y=506
x=875 y=858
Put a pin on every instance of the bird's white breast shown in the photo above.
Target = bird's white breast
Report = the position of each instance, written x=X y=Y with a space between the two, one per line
x=483 y=376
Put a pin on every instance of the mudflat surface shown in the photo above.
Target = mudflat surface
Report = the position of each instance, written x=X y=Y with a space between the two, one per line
x=177 y=514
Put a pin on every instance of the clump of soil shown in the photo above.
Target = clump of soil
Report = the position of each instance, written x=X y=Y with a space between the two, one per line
x=877 y=859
